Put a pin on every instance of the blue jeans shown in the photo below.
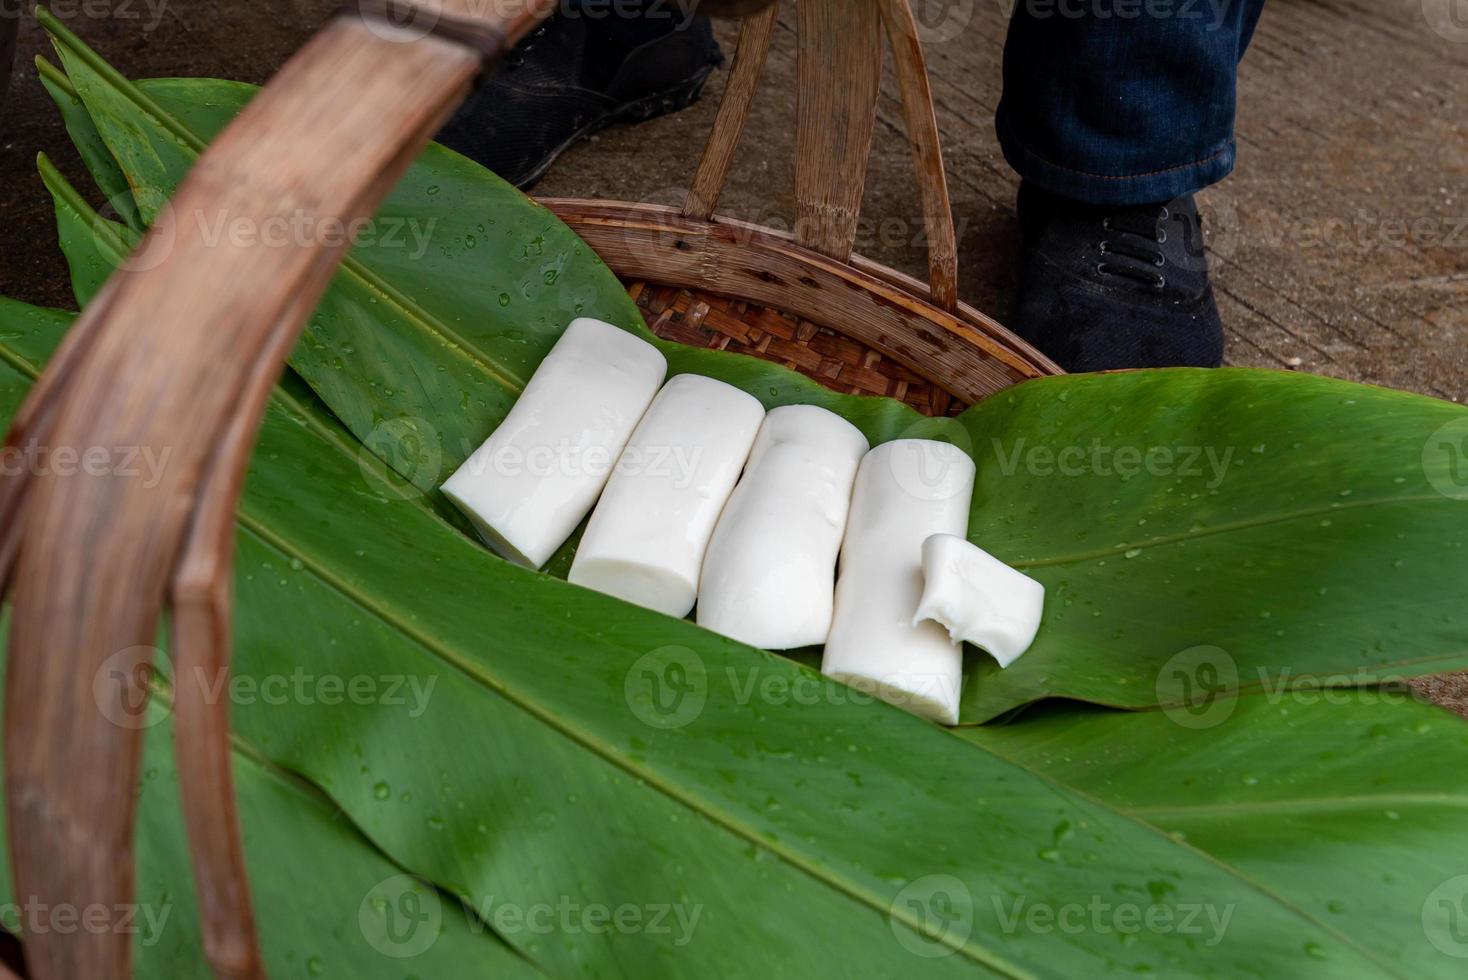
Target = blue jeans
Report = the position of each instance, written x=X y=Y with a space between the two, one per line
x=1123 y=101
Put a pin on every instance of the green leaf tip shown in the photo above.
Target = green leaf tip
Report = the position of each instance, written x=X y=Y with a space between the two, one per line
x=53 y=74
x=50 y=22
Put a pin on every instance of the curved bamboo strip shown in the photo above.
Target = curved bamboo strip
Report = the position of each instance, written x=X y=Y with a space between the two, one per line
x=95 y=554
x=927 y=153
x=718 y=153
x=201 y=594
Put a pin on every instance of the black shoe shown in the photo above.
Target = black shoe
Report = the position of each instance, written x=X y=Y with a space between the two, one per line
x=576 y=75
x=1115 y=287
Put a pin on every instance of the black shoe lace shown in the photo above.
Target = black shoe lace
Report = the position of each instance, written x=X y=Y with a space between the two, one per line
x=1137 y=235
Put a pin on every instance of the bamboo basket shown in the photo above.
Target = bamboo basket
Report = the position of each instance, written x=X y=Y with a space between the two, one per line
x=90 y=564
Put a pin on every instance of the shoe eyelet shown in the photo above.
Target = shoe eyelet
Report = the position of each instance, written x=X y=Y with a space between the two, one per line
x=1161 y=283
x=1106 y=247
x=1165 y=213
x=1101 y=269
x=1161 y=236
x=1106 y=223
x=1160 y=261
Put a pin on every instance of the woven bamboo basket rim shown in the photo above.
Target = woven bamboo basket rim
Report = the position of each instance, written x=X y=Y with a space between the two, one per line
x=90 y=564
x=855 y=325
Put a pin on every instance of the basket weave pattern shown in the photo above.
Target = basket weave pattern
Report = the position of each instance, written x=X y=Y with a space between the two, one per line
x=837 y=362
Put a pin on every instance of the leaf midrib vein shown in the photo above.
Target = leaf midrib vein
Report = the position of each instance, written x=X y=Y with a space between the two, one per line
x=412 y=312
x=475 y=672
x=1226 y=868
x=1307 y=804
x=104 y=232
x=1163 y=540
x=298 y=785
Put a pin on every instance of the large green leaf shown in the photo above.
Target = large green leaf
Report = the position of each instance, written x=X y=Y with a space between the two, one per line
x=522 y=763
x=827 y=816
x=330 y=920
x=535 y=775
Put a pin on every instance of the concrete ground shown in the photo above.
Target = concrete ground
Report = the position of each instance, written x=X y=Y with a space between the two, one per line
x=1340 y=245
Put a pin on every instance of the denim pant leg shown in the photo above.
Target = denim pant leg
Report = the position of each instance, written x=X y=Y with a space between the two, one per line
x=1123 y=101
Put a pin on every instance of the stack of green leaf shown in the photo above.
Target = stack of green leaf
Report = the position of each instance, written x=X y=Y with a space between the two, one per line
x=529 y=778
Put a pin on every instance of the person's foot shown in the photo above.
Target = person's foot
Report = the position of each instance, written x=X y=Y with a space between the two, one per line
x=1115 y=287
x=578 y=74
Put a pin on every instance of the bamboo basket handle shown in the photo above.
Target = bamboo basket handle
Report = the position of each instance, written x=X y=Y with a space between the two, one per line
x=90 y=559
x=838 y=75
